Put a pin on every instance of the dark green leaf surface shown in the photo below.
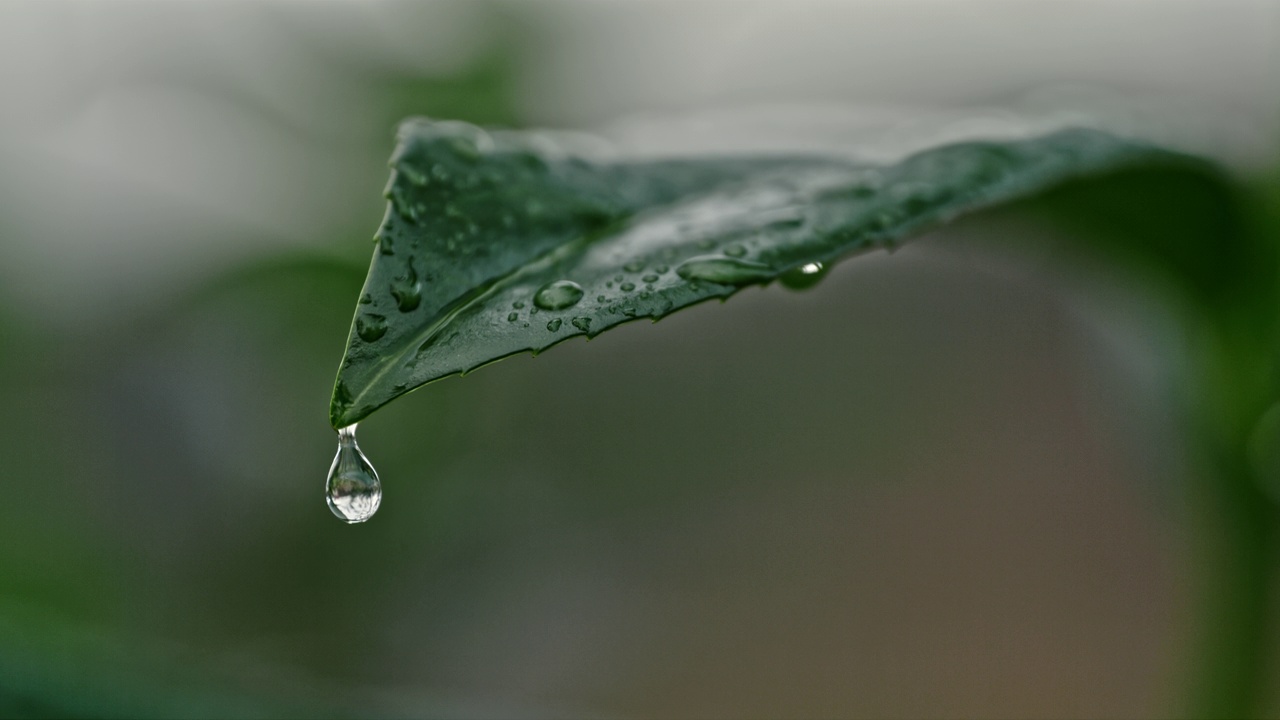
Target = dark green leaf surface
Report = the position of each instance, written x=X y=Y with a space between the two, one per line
x=498 y=243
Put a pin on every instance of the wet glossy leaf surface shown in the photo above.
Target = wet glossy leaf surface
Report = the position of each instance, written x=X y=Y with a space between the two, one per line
x=499 y=243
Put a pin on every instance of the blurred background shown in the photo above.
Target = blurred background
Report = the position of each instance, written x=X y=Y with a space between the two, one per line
x=947 y=482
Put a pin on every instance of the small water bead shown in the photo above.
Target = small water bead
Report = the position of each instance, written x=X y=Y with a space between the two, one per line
x=519 y=304
x=352 y=490
x=804 y=277
x=365 y=299
x=582 y=323
x=371 y=326
x=513 y=317
x=407 y=291
x=413 y=173
x=554 y=325
x=464 y=147
x=662 y=269
x=627 y=287
x=735 y=251
x=650 y=278
x=600 y=298
x=558 y=295
x=401 y=205
x=633 y=267
x=724 y=270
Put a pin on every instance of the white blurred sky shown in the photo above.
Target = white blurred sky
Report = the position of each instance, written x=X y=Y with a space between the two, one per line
x=142 y=144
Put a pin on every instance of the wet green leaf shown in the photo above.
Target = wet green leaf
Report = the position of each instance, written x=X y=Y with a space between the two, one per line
x=499 y=243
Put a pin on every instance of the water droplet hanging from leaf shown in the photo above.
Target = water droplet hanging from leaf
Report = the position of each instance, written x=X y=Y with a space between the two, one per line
x=352 y=489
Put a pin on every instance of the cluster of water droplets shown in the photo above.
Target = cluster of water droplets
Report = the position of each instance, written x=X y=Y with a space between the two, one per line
x=352 y=490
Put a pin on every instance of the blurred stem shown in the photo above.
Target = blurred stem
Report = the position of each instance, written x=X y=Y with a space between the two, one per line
x=1235 y=531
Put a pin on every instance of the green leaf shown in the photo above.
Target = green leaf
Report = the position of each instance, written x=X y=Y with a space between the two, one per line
x=499 y=243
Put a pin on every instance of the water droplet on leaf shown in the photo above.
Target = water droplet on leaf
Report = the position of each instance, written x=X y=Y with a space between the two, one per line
x=407 y=290
x=650 y=278
x=633 y=267
x=558 y=295
x=554 y=325
x=582 y=323
x=804 y=277
x=736 y=251
x=414 y=174
x=352 y=490
x=724 y=270
x=371 y=326
x=627 y=287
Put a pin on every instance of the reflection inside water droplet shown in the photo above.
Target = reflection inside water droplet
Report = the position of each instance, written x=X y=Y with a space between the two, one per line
x=558 y=295
x=353 y=490
x=803 y=277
